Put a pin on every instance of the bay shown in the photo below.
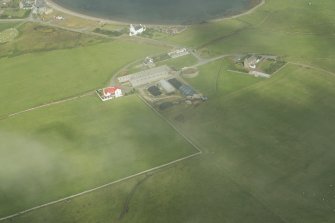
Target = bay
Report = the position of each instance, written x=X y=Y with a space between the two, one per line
x=158 y=11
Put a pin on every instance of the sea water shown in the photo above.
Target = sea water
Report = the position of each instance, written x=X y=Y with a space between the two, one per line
x=158 y=11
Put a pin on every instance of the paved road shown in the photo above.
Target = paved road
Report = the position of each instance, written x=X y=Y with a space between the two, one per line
x=210 y=60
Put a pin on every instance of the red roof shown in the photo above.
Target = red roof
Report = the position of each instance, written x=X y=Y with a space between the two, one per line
x=110 y=90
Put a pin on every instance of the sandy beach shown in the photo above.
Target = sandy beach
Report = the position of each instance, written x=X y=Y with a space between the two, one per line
x=57 y=7
x=251 y=10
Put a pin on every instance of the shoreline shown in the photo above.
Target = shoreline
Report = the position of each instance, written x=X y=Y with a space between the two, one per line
x=249 y=11
x=59 y=8
x=62 y=9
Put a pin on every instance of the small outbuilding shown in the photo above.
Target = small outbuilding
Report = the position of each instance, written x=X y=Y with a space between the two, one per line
x=135 y=30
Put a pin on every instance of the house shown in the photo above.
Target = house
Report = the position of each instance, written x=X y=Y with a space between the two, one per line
x=135 y=30
x=251 y=62
x=112 y=92
x=109 y=93
x=59 y=17
x=149 y=62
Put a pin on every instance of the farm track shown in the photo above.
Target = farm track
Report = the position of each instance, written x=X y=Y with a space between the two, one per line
x=47 y=105
x=99 y=187
x=199 y=152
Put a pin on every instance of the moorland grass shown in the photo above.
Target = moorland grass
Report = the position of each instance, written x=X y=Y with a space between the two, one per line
x=41 y=38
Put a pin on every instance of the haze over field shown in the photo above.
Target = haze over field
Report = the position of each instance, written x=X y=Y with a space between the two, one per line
x=225 y=121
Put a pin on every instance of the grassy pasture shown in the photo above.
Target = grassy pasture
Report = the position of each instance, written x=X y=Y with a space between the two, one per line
x=39 y=38
x=268 y=157
x=71 y=21
x=268 y=144
x=197 y=35
x=14 y=13
x=74 y=146
x=39 y=78
x=274 y=138
x=4 y=26
x=8 y=35
x=294 y=29
x=180 y=62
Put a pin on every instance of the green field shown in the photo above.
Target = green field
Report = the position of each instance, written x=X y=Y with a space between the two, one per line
x=268 y=144
x=40 y=38
x=39 y=78
x=71 y=147
x=272 y=139
x=14 y=13
x=8 y=35
x=4 y=26
x=294 y=29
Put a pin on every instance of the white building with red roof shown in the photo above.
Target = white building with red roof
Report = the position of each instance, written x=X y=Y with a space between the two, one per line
x=109 y=93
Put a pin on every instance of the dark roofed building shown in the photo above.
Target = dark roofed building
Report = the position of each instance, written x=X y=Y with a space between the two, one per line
x=175 y=83
x=186 y=90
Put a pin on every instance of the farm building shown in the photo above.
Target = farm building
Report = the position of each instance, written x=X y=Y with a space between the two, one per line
x=167 y=87
x=175 y=83
x=146 y=76
x=186 y=90
x=109 y=93
x=178 y=53
x=154 y=90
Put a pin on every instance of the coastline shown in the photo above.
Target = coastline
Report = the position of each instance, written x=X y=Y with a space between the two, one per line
x=59 y=8
x=251 y=10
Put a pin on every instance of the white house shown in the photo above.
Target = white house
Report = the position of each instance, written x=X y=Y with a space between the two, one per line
x=135 y=30
x=109 y=93
x=59 y=17
x=112 y=92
